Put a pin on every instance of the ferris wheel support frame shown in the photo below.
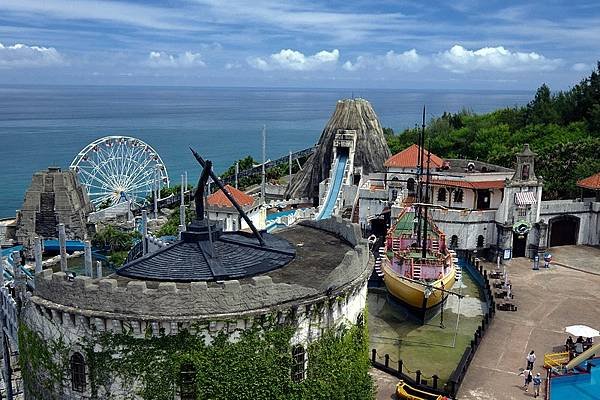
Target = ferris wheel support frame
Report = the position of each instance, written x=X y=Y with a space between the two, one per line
x=115 y=166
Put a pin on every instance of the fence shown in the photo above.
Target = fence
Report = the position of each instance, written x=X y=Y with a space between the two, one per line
x=432 y=384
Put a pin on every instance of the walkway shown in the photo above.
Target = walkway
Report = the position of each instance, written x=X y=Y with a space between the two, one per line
x=548 y=300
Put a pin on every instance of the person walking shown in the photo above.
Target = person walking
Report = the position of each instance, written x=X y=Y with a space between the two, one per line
x=527 y=374
x=530 y=360
x=537 y=381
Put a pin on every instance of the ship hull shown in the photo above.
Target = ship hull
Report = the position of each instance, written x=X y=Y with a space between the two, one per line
x=411 y=293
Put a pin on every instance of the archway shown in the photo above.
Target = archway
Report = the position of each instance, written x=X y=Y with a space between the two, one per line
x=410 y=185
x=519 y=245
x=563 y=230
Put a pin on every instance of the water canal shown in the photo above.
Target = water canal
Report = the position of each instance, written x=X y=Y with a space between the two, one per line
x=432 y=348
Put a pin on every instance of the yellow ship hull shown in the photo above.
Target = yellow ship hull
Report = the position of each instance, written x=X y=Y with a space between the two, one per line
x=412 y=292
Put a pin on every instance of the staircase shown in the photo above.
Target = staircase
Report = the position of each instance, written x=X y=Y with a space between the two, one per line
x=378 y=269
x=45 y=219
x=396 y=244
x=409 y=200
x=416 y=272
x=458 y=276
x=355 y=213
x=435 y=246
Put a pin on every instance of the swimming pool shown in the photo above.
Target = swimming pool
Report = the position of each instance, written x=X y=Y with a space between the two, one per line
x=274 y=216
x=580 y=386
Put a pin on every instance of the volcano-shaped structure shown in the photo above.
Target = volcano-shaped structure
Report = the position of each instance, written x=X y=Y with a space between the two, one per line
x=371 y=147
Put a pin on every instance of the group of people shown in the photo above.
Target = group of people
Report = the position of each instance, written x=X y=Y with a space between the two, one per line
x=577 y=347
x=529 y=377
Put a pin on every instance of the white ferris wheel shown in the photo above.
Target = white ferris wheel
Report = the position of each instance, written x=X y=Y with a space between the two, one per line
x=115 y=169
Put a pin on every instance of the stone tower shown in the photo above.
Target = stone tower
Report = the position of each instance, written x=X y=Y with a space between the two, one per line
x=53 y=197
x=519 y=215
x=370 y=152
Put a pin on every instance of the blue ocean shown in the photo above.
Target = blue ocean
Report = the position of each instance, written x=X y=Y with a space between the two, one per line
x=49 y=125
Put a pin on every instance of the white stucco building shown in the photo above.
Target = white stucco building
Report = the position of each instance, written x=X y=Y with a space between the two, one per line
x=219 y=208
x=480 y=206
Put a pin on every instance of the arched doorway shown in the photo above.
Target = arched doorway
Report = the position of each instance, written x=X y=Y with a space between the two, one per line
x=564 y=230
x=410 y=185
x=519 y=245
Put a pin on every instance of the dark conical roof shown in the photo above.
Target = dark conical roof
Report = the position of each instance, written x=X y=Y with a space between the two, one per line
x=206 y=253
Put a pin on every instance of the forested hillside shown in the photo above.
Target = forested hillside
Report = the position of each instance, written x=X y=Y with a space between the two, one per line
x=563 y=128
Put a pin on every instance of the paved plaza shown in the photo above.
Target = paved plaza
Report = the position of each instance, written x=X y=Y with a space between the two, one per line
x=547 y=300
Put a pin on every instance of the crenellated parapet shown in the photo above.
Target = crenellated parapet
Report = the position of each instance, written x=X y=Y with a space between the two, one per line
x=168 y=299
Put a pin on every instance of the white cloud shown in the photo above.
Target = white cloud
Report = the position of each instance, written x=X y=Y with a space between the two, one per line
x=159 y=59
x=21 y=55
x=296 y=61
x=460 y=60
x=232 y=65
x=580 y=67
x=409 y=60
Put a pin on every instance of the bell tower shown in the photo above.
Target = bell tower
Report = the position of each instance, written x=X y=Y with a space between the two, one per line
x=525 y=171
x=520 y=230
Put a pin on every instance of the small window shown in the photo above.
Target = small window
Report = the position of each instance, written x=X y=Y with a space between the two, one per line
x=441 y=195
x=525 y=172
x=410 y=185
x=480 y=240
x=299 y=363
x=453 y=242
x=78 y=372
x=458 y=196
x=187 y=382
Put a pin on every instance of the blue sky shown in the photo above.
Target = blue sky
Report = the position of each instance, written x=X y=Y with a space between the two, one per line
x=364 y=44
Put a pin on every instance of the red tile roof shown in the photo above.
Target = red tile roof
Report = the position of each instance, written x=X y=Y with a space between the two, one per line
x=407 y=158
x=218 y=199
x=591 y=182
x=469 y=184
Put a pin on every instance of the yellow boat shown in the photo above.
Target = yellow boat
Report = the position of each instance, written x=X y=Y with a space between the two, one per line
x=417 y=282
x=407 y=392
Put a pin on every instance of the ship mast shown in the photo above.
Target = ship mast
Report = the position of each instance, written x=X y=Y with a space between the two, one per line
x=424 y=247
x=420 y=161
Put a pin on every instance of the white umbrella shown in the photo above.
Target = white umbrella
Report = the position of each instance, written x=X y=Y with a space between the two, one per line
x=582 y=330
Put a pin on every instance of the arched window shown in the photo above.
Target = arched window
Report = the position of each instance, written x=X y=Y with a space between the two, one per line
x=441 y=194
x=187 y=382
x=298 y=363
x=453 y=242
x=480 y=240
x=360 y=320
x=458 y=196
x=410 y=185
x=78 y=372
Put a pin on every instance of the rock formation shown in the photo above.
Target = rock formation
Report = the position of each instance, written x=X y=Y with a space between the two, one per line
x=371 y=147
x=54 y=197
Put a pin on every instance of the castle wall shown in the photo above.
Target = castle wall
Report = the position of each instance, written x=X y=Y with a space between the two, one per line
x=80 y=309
x=588 y=213
x=467 y=225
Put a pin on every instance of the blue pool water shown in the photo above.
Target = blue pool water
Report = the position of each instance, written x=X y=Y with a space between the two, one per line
x=578 y=386
x=274 y=216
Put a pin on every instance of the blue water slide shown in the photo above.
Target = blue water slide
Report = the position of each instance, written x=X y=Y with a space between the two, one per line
x=8 y=254
x=71 y=245
x=335 y=185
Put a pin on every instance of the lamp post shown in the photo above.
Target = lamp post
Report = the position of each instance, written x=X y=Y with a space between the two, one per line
x=536 y=262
